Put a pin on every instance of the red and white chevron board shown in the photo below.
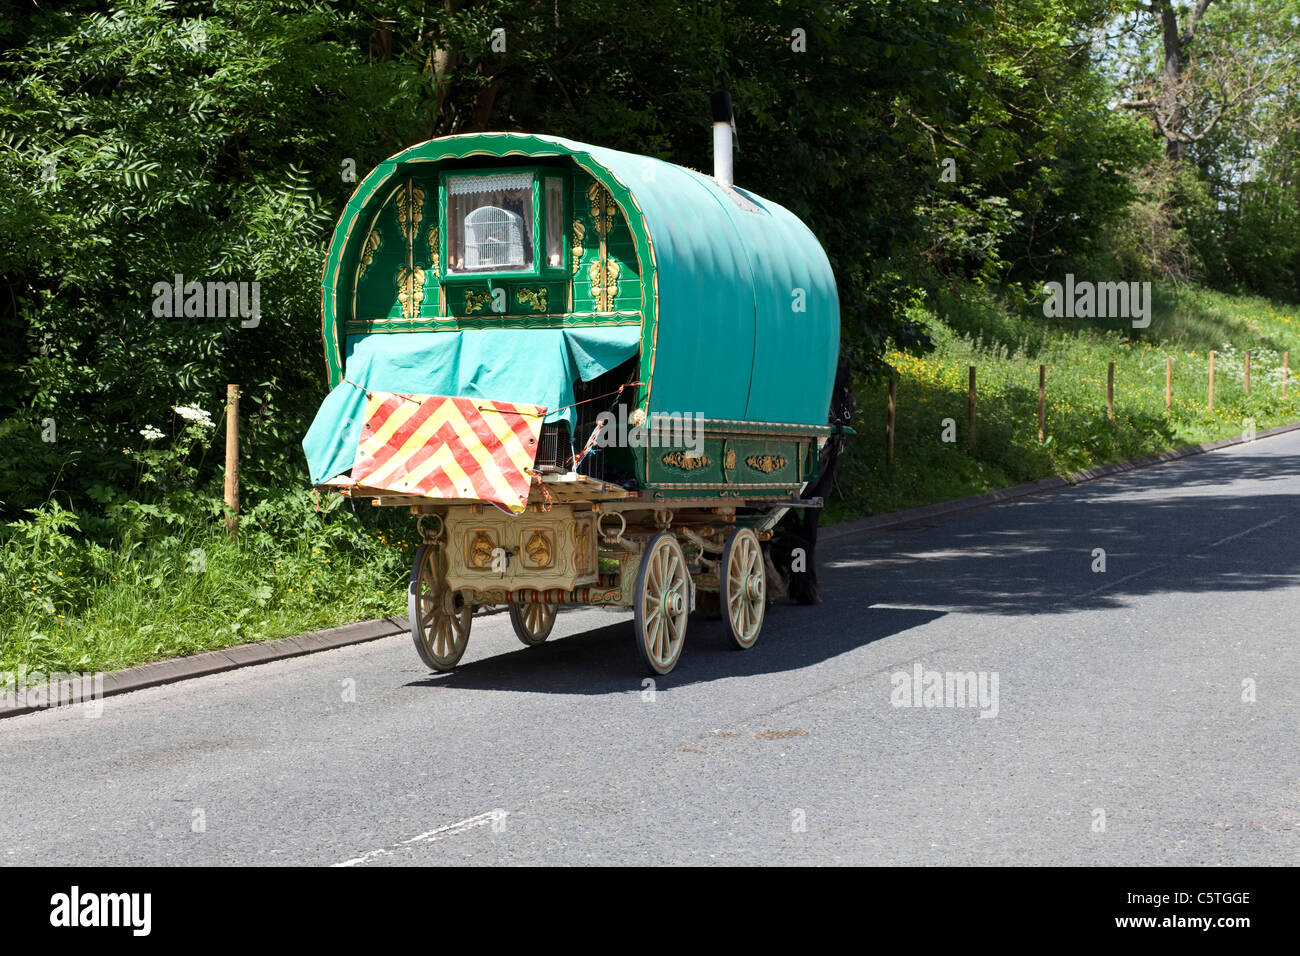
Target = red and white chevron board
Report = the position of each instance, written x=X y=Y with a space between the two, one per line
x=442 y=447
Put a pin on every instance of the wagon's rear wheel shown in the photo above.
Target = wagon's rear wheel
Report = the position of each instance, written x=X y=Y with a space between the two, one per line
x=661 y=603
x=743 y=586
x=439 y=617
x=533 y=622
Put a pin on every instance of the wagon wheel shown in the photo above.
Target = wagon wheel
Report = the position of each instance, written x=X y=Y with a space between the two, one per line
x=661 y=603
x=533 y=622
x=743 y=581
x=440 y=617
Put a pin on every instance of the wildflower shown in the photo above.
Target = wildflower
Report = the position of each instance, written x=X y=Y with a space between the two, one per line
x=192 y=413
x=150 y=433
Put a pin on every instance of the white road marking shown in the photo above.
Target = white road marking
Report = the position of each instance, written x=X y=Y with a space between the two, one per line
x=432 y=836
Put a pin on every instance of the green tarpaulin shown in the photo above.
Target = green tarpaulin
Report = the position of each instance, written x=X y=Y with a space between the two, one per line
x=531 y=366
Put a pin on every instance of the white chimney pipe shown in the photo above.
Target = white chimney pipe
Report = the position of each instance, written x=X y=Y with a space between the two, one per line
x=723 y=135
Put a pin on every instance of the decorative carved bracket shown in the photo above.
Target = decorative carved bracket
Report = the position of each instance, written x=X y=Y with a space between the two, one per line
x=410 y=280
x=604 y=272
x=679 y=459
x=476 y=300
x=766 y=463
x=534 y=298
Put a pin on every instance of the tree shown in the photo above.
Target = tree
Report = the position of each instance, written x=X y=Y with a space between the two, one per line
x=1213 y=71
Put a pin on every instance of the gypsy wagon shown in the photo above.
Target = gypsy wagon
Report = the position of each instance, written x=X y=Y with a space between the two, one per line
x=594 y=377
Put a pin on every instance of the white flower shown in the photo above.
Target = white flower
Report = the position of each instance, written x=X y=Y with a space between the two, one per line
x=192 y=413
x=150 y=433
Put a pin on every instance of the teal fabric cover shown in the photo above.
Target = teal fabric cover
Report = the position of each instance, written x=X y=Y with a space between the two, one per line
x=529 y=366
x=749 y=313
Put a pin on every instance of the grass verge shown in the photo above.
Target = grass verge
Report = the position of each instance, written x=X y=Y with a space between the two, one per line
x=167 y=589
x=934 y=460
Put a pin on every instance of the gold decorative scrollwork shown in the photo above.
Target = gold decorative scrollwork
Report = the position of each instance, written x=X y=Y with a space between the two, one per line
x=604 y=282
x=368 y=252
x=679 y=459
x=536 y=298
x=766 y=463
x=410 y=210
x=604 y=272
x=579 y=233
x=603 y=208
x=476 y=300
x=433 y=248
x=410 y=291
x=410 y=279
x=730 y=461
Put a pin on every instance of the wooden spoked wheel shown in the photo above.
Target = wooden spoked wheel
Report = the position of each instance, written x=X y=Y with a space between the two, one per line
x=743 y=586
x=440 y=618
x=662 y=603
x=533 y=622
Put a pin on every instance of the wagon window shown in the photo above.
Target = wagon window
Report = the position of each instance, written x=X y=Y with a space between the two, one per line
x=490 y=222
x=554 y=210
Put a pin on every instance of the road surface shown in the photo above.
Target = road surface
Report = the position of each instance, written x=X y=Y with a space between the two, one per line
x=1144 y=714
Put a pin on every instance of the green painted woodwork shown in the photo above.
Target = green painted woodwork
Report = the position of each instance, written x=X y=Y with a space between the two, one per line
x=620 y=248
x=451 y=323
x=739 y=313
x=377 y=286
x=771 y=464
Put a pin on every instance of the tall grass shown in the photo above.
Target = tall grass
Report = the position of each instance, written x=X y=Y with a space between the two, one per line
x=1007 y=346
x=166 y=588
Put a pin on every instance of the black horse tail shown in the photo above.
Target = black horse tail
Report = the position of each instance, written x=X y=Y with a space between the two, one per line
x=791 y=553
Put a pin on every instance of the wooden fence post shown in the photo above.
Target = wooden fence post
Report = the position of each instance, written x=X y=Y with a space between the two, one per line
x=970 y=408
x=232 y=459
x=889 y=426
x=1211 y=380
x=1169 y=384
x=1247 y=371
x=1042 y=401
x=1285 y=357
x=1110 y=390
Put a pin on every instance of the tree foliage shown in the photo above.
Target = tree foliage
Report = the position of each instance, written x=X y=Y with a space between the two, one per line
x=146 y=139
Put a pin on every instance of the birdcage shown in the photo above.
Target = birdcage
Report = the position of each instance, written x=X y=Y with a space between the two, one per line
x=494 y=238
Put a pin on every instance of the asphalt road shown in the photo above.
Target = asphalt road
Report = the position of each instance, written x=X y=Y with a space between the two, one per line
x=1122 y=732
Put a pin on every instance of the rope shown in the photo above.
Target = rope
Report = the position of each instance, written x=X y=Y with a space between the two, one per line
x=577 y=460
x=547 y=501
x=596 y=398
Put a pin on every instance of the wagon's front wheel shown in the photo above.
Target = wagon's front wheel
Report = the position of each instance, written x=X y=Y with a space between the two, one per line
x=662 y=603
x=743 y=586
x=439 y=617
x=533 y=622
